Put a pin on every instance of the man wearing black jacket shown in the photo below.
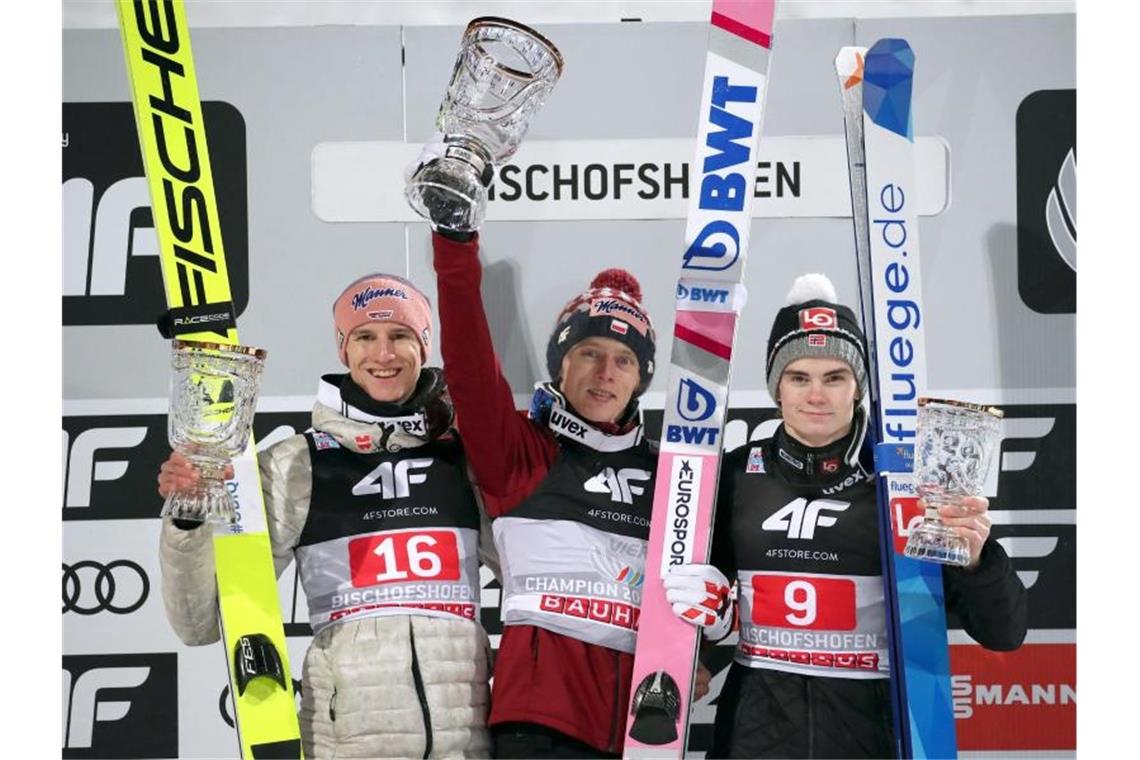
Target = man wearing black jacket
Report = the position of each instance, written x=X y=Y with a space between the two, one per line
x=796 y=527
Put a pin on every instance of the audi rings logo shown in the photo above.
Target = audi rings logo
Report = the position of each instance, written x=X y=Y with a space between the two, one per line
x=90 y=587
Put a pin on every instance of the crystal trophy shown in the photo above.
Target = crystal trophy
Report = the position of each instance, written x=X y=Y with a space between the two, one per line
x=954 y=445
x=502 y=77
x=213 y=394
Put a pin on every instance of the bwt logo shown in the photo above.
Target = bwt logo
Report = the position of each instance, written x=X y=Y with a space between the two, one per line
x=122 y=705
x=694 y=402
x=724 y=189
x=818 y=318
x=393 y=480
x=621 y=485
x=108 y=466
x=111 y=269
x=702 y=295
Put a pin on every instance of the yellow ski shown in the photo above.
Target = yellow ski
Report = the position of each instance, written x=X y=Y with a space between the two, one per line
x=156 y=43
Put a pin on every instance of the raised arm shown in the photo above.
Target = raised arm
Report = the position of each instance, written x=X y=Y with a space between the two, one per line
x=504 y=449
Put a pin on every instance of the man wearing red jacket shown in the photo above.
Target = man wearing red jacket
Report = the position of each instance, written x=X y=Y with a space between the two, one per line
x=569 y=487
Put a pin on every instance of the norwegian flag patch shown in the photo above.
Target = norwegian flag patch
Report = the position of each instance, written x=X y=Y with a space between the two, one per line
x=364 y=442
x=817 y=339
x=621 y=328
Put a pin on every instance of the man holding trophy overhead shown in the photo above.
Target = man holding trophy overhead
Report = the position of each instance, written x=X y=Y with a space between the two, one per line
x=569 y=485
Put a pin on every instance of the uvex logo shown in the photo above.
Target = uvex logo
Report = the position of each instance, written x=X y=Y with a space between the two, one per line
x=800 y=517
x=563 y=423
x=120 y=705
x=393 y=480
x=111 y=270
x=622 y=485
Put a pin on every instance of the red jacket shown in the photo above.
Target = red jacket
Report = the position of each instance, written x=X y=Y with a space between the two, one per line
x=541 y=677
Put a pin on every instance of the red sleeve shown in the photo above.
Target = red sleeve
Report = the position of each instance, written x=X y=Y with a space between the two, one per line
x=508 y=454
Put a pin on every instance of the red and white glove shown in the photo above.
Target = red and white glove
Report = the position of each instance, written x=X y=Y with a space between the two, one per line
x=700 y=595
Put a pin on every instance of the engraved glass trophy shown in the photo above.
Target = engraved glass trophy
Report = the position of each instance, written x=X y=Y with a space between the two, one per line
x=954 y=446
x=502 y=77
x=213 y=394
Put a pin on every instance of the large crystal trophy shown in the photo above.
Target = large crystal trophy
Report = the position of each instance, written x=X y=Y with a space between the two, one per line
x=502 y=76
x=213 y=393
x=954 y=446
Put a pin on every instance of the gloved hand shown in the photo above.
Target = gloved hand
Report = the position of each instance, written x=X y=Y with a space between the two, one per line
x=700 y=595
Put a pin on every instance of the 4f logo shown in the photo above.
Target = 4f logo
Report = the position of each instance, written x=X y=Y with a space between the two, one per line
x=622 y=485
x=393 y=480
x=82 y=467
x=801 y=517
x=120 y=705
x=111 y=269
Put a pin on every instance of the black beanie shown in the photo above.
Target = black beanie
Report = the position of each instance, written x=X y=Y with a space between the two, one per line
x=813 y=324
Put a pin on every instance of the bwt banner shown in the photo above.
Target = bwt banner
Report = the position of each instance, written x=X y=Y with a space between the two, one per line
x=309 y=131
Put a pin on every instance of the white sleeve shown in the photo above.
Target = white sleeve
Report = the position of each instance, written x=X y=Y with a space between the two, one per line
x=287 y=484
x=189 y=590
x=186 y=557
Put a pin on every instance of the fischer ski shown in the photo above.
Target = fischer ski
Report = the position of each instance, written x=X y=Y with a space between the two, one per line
x=876 y=86
x=696 y=398
x=172 y=137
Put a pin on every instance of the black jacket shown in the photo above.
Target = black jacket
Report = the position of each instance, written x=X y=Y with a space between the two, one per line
x=789 y=514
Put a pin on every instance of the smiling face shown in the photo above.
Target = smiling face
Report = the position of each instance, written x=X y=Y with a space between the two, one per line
x=817 y=400
x=384 y=359
x=599 y=376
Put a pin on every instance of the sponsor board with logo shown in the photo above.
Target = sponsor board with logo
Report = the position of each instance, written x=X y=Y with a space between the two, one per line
x=1020 y=700
x=120 y=705
x=108 y=499
x=105 y=561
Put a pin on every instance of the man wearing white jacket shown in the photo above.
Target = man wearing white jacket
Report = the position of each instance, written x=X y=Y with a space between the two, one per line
x=376 y=506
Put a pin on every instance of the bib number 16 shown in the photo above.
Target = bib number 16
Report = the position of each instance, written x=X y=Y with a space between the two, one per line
x=405 y=555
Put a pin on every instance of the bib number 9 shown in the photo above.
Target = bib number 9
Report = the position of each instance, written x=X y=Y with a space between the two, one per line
x=797 y=601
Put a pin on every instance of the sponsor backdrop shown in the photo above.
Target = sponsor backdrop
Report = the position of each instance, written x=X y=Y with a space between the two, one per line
x=309 y=129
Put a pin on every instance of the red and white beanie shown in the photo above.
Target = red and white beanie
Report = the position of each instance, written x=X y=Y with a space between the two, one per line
x=382 y=298
x=611 y=308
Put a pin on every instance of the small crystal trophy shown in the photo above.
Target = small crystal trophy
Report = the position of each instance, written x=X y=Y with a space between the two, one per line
x=502 y=77
x=955 y=444
x=213 y=394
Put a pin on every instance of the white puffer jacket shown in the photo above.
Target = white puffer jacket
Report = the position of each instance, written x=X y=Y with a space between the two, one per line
x=359 y=698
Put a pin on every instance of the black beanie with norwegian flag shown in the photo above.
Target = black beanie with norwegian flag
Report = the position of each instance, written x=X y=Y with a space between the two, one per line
x=814 y=324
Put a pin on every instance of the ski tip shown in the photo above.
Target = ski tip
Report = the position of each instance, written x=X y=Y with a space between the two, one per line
x=888 y=80
x=895 y=50
x=849 y=65
x=749 y=19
